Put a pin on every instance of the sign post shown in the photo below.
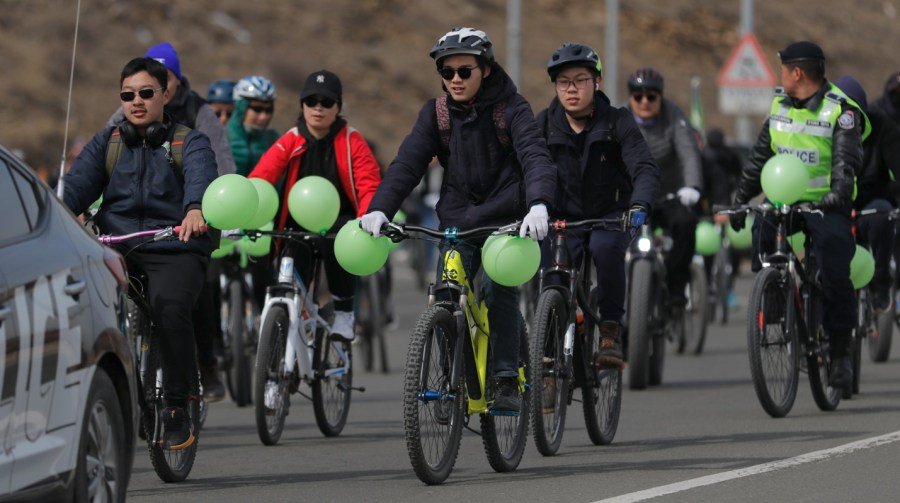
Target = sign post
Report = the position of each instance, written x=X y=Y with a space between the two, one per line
x=745 y=85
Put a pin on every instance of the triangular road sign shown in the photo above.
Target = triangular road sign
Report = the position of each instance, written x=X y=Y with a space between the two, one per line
x=746 y=66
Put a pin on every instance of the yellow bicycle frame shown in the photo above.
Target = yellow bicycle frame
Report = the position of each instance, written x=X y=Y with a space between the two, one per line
x=477 y=323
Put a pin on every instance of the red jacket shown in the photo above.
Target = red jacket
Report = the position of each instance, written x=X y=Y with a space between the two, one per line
x=359 y=171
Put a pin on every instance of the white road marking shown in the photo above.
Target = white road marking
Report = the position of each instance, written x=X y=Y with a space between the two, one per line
x=811 y=457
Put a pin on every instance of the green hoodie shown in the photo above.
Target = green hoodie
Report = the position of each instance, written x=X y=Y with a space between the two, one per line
x=247 y=148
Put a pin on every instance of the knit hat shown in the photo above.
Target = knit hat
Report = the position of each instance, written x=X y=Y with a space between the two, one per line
x=853 y=89
x=165 y=54
x=323 y=83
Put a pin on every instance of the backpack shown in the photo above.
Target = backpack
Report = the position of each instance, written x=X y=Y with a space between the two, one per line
x=174 y=151
x=498 y=114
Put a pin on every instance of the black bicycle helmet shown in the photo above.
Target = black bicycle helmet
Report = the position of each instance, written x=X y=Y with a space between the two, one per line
x=570 y=54
x=463 y=40
x=645 y=78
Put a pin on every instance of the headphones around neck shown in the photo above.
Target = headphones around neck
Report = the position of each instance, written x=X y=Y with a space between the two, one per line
x=156 y=134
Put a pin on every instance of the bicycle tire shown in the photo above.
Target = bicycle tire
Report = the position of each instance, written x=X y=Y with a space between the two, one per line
x=270 y=375
x=879 y=341
x=818 y=362
x=695 y=314
x=774 y=355
x=549 y=376
x=239 y=371
x=504 y=437
x=378 y=321
x=721 y=267
x=601 y=390
x=331 y=394
x=429 y=362
x=856 y=348
x=640 y=323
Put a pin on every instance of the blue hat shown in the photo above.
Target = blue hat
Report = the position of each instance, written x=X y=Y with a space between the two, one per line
x=853 y=89
x=165 y=54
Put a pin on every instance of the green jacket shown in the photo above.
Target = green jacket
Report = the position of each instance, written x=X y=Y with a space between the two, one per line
x=247 y=148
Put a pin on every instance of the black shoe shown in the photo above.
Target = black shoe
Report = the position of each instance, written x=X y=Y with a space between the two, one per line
x=177 y=429
x=213 y=389
x=841 y=372
x=506 y=397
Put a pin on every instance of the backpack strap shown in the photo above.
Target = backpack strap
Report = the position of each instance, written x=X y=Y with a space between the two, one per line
x=113 y=150
x=175 y=150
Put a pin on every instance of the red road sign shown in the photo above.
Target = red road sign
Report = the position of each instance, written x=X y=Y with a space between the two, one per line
x=746 y=66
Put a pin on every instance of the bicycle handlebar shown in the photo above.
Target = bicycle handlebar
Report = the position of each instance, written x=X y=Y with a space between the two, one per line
x=399 y=232
x=766 y=208
x=158 y=235
x=610 y=224
x=284 y=234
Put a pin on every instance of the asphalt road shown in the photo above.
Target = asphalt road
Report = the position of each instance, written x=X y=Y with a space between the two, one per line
x=701 y=436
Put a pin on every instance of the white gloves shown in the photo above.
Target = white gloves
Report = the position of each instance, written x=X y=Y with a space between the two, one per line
x=535 y=223
x=688 y=196
x=372 y=222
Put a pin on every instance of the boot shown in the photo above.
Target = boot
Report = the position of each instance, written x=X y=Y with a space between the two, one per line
x=610 y=354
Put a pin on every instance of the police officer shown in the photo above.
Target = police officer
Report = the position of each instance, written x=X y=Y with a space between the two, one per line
x=817 y=122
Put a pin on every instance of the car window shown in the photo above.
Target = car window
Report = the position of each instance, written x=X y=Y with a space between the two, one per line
x=15 y=220
x=28 y=193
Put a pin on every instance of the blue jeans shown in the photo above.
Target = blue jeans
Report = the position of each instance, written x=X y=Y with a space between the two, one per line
x=503 y=311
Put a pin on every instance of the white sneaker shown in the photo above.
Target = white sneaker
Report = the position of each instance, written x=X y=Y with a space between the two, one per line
x=344 y=326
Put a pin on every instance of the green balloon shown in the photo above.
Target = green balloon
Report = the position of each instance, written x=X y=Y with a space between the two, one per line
x=708 y=239
x=358 y=252
x=742 y=239
x=268 y=203
x=314 y=203
x=797 y=241
x=862 y=267
x=261 y=246
x=96 y=204
x=511 y=260
x=230 y=202
x=226 y=247
x=784 y=179
x=400 y=217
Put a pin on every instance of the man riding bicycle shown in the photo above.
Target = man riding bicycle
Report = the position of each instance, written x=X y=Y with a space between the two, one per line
x=816 y=121
x=148 y=189
x=604 y=168
x=484 y=134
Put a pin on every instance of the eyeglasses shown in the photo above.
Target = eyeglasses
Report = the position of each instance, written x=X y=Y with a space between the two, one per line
x=650 y=97
x=563 y=84
x=464 y=72
x=145 y=94
x=226 y=112
x=261 y=110
x=312 y=101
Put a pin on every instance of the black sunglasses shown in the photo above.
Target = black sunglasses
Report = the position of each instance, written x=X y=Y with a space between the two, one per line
x=639 y=97
x=261 y=109
x=312 y=101
x=464 y=72
x=226 y=112
x=145 y=94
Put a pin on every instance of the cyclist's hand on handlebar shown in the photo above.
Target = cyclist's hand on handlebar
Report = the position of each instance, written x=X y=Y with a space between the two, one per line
x=535 y=223
x=637 y=215
x=688 y=196
x=372 y=222
x=833 y=201
x=738 y=220
x=193 y=224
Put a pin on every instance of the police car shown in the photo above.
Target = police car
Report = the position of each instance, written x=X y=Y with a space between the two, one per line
x=68 y=409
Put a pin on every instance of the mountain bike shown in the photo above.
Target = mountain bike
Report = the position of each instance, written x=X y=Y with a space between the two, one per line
x=696 y=318
x=240 y=330
x=562 y=355
x=169 y=465
x=449 y=368
x=296 y=346
x=371 y=320
x=721 y=278
x=784 y=318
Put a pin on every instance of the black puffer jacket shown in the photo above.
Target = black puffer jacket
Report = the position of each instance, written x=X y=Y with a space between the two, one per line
x=483 y=183
x=881 y=152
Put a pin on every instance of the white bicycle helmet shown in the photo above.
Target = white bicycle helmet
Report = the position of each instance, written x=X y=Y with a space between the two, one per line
x=254 y=87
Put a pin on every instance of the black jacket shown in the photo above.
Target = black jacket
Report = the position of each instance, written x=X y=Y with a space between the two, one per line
x=721 y=171
x=846 y=152
x=144 y=191
x=483 y=183
x=606 y=168
x=881 y=155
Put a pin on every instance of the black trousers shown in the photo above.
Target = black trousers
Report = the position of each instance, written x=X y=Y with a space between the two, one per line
x=878 y=232
x=174 y=281
x=341 y=283
x=681 y=224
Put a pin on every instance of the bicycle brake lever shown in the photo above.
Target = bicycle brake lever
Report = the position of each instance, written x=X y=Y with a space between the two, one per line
x=512 y=228
x=164 y=234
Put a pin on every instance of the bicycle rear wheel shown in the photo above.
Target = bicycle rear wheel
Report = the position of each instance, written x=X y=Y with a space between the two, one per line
x=239 y=372
x=504 y=436
x=549 y=376
x=772 y=343
x=333 y=361
x=818 y=365
x=271 y=386
x=879 y=340
x=601 y=390
x=433 y=406
x=695 y=314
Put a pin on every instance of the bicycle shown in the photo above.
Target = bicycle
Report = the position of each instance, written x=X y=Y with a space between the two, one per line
x=562 y=355
x=696 y=318
x=371 y=323
x=296 y=346
x=169 y=465
x=449 y=365
x=784 y=318
x=240 y=330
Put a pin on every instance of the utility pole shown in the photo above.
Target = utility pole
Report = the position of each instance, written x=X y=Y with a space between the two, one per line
x=743 y=126
x=513 y=40
x=611 y=53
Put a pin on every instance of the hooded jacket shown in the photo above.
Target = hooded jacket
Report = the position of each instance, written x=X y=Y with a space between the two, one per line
x=608 y=169
x=484 y=183
x=247 y=147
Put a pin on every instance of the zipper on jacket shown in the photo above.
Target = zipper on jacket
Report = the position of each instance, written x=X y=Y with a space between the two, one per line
x=141 y=168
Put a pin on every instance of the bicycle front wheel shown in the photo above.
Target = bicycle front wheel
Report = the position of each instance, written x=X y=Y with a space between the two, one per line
x=333 y=361
x=432 y=406
x=504 y=436
x=641 y=323
x=549 y=376
x=695 y=314
x=772 y=344
x=271 y=386
x=239 y=372
x=879 y=339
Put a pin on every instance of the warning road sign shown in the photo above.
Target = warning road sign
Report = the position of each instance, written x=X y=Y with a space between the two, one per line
x=746 y=80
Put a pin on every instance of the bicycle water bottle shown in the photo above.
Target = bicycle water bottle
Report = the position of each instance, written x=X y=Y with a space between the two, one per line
x=286 y=271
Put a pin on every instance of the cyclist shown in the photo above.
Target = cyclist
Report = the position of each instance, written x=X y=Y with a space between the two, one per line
x=721 y=170
x=673 y=145
x=219 y=98
x=323 y=144
x=889 y=102
x=144 y=171
x=495 y=162
x=248 y=131
x=831 y=149
x=604 y=167
x=880 y=151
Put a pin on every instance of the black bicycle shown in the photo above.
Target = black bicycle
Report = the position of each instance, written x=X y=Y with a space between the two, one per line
x=371 y=320
x=562 y=352
x=784 y=318
x=240 y=320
